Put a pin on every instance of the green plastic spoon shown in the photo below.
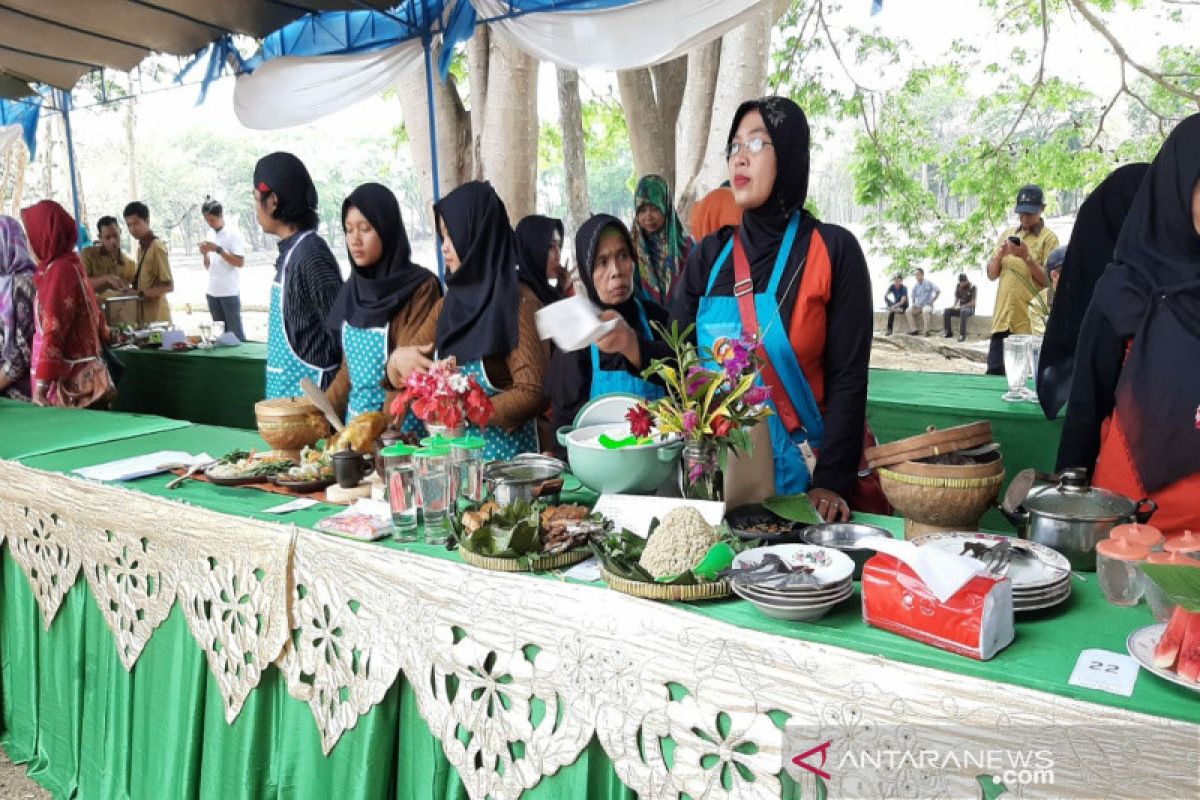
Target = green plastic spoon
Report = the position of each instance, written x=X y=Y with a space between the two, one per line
x=609 y=443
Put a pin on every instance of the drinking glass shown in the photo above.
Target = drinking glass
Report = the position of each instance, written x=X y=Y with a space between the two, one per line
x=435 y=497
x=402 y=497
x=1016 y=362
x=1035 y=354
x=206 y=332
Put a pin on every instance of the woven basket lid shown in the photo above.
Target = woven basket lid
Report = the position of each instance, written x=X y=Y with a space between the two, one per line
x=931 y=443
x=284 y=408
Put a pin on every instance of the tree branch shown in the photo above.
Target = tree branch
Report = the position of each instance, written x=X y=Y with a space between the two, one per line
x=1037 y=84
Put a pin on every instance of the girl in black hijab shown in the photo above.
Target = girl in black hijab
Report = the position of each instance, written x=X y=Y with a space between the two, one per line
x=383 y=305
x=539 y=250
x=810 y=283
x=1088 y=254
x=486 y=320
x=1135 y=403
x=605 y=253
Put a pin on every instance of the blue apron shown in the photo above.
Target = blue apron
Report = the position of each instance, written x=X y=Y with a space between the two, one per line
x=366 y=352
x=719 y=317
x=284 y=367
x=609 y=381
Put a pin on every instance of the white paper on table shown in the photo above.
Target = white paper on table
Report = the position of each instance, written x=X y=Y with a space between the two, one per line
x=228 y=339
x=573 y=324
x=585 y=570
x=173 y=337
x=944 y=573
x=634 y=512
x=127 y=469
x=1115 y=673
x=299 y=504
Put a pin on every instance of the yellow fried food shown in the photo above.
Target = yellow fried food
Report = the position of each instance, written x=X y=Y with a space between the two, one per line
x=361 y=433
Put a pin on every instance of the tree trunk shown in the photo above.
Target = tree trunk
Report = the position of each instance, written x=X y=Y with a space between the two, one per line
x=510 y=133
x=695 y=116
x=650 y=138
x=478 y=73
x=574 y=160
x=130 y=139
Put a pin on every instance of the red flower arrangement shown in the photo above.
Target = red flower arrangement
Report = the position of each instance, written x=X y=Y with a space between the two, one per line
x=444 y=396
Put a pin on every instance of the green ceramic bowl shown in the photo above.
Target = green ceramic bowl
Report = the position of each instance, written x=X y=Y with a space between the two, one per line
x=639 y=469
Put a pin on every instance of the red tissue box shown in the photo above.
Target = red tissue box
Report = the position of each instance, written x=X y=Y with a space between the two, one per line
x=976 y=622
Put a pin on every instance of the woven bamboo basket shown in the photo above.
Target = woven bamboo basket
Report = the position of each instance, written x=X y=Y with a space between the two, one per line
x=946 y=502
x=557 y=561
x=661 y=591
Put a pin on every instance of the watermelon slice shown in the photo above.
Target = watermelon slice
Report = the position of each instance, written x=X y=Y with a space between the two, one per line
x=1168 y=646
x=1189 y=652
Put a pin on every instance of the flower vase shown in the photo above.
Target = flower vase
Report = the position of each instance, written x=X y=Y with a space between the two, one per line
x=700 y=475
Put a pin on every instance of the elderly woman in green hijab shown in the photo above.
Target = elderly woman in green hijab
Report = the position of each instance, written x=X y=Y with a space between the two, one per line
x=659 y=238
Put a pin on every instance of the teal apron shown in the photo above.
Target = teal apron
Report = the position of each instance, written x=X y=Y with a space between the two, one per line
x=719 y=317
x=610 y=381
x=284 y=367
x=366 y=352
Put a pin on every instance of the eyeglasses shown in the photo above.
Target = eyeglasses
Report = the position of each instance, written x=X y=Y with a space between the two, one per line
x=752 y=146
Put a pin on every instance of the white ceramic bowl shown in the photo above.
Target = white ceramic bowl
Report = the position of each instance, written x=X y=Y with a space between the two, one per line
x=831 y=566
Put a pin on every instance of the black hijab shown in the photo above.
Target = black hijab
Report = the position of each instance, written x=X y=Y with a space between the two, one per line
x=286 y=176
x=376 y=292
x=533 y=237
x=1151 y=293
x=479 y=315
x=1088 y=254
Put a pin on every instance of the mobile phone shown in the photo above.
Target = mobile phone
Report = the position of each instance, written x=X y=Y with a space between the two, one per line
x=1015 y=240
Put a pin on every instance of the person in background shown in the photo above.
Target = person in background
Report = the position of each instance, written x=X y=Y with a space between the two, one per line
x=68 y=369
x=963 y=308
x=1043 y=302
x=1088 y=255
x=224 y=255
x=658 y=237
x=812 y=305
x=604 y=250
x=17 y=271
x=539 y=243
x=307 y=278
x=924 y=295
x=1018 y=263
x=108 y=267
x=1134 y=410
x=382 y=306
x=896 y=300
x=152 y=276
x=714 y=211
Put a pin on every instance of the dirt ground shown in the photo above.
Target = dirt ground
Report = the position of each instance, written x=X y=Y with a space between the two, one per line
x=15 y=786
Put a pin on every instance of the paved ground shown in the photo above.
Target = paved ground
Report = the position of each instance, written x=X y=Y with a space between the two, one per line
x=15 y=786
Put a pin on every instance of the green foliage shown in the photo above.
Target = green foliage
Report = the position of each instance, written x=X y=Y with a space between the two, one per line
x=610 y=171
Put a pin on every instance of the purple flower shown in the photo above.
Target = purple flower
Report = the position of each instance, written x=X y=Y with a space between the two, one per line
x=691 y=421
x=758 y=395
x=696 y=472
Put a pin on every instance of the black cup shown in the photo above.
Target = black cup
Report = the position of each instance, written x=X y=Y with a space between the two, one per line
x=350 y=467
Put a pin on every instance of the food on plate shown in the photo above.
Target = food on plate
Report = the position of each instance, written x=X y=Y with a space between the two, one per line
x=777 y=573
x=248 y=464
x=474 y=520
x=360 y=434
x=678 y=544
x=315 y=465
x=1179 y=647
x=528 y=530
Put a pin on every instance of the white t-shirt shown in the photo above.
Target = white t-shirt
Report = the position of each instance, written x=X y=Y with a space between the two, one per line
x=223 y=276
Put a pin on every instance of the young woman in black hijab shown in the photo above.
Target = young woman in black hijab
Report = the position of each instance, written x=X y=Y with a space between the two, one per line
x=805 y=286
x=1088 y=254
x=607 y=262
x=539 y=258
x=1134 y=410
x=384 y=304
x=486 y=320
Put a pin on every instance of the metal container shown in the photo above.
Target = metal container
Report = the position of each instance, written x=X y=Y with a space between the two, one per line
x=526 y=477
x=1072 y=517
x=845 y=536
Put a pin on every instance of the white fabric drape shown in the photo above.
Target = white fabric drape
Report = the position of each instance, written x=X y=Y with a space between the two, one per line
x=293 y=90
x=8 y=135
x=625 y=37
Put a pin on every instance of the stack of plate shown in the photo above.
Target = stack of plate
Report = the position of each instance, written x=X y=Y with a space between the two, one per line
x=1041 y=577
x=830 y=583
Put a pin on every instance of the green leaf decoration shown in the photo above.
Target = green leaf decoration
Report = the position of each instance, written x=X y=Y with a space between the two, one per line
x=796 y=507
x=1178 y=581
x=511 y=532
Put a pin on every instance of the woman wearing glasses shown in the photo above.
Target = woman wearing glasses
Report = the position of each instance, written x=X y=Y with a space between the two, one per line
x=803 y=286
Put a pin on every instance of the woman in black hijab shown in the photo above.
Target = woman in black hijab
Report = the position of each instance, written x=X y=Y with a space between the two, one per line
x=383 y=305
x=539 y=258
x=812 y=304
x=605 y=252
x=1088 y=254
x=486 y=320
x=1135 y=403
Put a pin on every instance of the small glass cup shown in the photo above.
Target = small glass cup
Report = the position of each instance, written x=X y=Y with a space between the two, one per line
x=1035 y=355
x=206 y=331
x=1161 y=605
x=402 y=498
x=1016 y=364
x=433 y=472
x=466 y=453
x=1117 y=568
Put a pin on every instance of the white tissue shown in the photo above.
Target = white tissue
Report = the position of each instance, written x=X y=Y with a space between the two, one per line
x=944 y=573
x=573 y=324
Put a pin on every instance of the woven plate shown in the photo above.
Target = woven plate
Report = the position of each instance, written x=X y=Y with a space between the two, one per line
x=931 y=443
x=517 y=565
x=663 y=591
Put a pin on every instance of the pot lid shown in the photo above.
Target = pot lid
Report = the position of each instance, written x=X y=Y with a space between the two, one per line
x=607 y=409
x=285 y=407
x=1186 y=542
x=1072 y=498
x=1122 y=550
x=933 y=442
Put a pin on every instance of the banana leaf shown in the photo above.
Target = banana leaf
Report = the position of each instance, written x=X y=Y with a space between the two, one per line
x=512 y=532
x=796 y=507
x=1178 y=581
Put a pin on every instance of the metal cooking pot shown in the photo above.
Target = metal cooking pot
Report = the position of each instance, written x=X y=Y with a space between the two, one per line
x=526 y=477
x=1072 y=517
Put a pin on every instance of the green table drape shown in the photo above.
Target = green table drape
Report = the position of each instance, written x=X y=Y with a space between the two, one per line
x=215 y=387
x=29 y=430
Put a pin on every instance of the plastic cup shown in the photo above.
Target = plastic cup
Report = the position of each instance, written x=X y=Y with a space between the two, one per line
x=403 y=500
x=1117 y=567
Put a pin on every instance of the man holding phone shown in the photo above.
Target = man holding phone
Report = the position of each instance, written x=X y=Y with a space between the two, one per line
x=1018 y=264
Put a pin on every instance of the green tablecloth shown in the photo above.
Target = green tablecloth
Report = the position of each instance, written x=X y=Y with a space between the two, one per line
x=28 y=430
x=214 y=387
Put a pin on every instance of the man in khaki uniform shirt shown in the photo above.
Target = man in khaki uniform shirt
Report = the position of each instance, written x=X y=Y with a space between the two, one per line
x=109 y=272
x=152 y=278
x=1018 y=264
